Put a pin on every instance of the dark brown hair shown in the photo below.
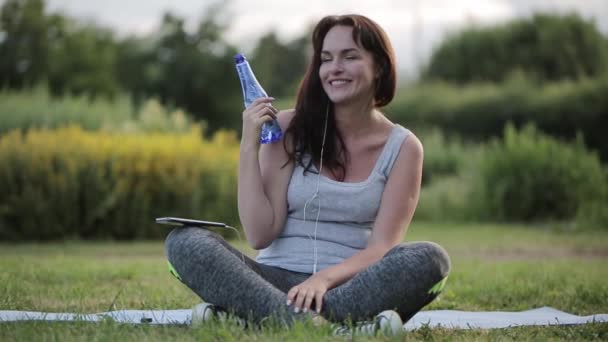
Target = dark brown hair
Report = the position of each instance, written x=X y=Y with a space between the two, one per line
x=306 y=128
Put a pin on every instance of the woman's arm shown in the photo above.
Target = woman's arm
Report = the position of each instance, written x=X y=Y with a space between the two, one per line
x=262 y=183
x=397 y=207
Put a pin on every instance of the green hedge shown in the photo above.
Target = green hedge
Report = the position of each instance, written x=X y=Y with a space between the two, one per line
x=528 y=176
x=481 y=111
x=69 y=183
x=36 y=108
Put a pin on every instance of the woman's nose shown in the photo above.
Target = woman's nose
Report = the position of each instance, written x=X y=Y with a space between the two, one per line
x=337 y=66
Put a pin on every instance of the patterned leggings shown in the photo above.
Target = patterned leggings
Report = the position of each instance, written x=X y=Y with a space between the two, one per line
x=406 y=279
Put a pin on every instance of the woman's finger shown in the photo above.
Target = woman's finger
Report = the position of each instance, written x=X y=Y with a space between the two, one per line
x=299 y=300
x=291 y=295
x=319 y=301
x=258 y=108
x=261 y=110
x=265 y=118
x=274 y=110
x=261 y=100
x=308 y=301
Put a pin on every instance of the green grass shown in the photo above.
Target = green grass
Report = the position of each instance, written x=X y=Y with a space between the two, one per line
x=494 y=267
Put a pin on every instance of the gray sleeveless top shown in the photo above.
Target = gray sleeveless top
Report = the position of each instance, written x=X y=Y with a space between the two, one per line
x=346 y=217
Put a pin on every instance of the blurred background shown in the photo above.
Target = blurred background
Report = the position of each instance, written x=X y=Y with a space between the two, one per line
x=114 y=113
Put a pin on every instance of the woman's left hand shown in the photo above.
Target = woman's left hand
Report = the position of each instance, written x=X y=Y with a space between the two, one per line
x=302 y=295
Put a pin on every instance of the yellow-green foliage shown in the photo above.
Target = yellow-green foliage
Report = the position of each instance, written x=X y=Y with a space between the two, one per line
x=72 y=183
x=36 y=108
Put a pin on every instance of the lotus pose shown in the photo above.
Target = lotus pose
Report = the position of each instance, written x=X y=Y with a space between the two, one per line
x=329 y=205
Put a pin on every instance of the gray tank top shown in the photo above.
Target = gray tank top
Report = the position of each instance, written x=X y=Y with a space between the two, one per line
x=346 y=217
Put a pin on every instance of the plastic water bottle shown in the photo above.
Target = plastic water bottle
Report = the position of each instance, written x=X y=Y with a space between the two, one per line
x=252 y=90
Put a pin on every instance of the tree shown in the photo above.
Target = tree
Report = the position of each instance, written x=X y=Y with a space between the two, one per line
x=82 y=60
x=23 y=43
x=280 y=67
x=191 y=70
x=544 y=47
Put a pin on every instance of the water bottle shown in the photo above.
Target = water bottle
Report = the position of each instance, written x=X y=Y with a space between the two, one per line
x=252 y=90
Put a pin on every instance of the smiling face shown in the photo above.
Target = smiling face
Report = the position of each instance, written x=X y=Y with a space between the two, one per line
x=347 y=70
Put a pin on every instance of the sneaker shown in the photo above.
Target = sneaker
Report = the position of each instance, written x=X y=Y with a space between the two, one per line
x=386 y=323
x=204 y=312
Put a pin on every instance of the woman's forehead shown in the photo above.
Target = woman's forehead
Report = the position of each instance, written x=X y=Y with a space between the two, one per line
x=339 y=38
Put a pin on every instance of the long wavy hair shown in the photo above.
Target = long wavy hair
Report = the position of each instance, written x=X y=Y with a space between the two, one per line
x=312 y=104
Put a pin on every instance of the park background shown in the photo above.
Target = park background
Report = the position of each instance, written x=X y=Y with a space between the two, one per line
x=107 y=123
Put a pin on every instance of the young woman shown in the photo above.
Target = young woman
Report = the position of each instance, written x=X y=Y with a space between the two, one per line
x=327 y=208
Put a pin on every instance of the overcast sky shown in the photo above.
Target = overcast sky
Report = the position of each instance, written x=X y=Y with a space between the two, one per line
x=414 y=26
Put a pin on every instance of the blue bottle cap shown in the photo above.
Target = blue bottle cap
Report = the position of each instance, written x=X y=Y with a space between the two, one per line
x=239 y=58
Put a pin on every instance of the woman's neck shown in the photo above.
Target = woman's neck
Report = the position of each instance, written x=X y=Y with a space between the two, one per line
x=357 y=120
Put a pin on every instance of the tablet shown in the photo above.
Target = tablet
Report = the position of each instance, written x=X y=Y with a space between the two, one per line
x=177 y=221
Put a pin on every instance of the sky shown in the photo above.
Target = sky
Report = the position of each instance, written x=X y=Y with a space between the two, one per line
x=415 y=27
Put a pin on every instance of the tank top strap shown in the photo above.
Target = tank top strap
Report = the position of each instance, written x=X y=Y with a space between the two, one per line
x=392 y=148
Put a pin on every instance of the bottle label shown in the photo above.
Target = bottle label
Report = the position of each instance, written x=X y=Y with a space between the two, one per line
x=251 y=88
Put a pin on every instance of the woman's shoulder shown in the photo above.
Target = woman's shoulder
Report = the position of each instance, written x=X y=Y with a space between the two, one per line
x=284 y=117
x=411 y=145
x=409 y=140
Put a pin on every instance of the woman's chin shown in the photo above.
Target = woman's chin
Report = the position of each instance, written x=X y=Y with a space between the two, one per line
x=340 y=99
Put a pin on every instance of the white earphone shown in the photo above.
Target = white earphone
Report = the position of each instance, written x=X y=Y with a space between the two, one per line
x=317 y=196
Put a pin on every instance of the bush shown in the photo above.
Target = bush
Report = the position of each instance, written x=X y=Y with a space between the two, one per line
x=450 y=167
x=593 y=214
x=69 y=183
x=480 y=111
x=445 y=200
x=36 y=108
x=442 y=156
x=529 y=176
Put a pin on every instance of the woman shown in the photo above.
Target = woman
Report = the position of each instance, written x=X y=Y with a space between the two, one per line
x=327 y=208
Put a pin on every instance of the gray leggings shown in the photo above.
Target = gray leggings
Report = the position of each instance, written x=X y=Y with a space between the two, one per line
x=406 y=279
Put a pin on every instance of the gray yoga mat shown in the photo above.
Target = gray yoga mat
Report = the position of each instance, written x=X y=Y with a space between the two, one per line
x=451 y=319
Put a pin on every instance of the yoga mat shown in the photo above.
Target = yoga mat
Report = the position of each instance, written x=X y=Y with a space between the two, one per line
x=451 y=319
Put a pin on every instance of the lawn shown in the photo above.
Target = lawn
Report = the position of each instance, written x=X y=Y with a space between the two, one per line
x=494 y=267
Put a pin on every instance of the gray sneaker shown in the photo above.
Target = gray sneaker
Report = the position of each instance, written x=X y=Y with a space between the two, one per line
x=386 y=323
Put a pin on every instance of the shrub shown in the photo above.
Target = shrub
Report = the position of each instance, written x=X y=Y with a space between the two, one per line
x=593 y=214
x=445 y=200
x=480 y=111
x=36 y=108
x=529 y=176
x=442 y=156
x=68 y=182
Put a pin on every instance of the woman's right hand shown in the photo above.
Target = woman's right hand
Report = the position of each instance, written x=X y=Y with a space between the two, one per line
x=260 y=111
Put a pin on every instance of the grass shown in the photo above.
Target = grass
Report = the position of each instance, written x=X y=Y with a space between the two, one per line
x=495 y=267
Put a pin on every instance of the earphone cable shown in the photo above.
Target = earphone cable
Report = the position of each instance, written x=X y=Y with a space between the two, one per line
x=316 y=194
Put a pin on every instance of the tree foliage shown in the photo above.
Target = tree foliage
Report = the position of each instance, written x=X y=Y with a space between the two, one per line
x=189 y=69
x=544 y=47
x=23 y=43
